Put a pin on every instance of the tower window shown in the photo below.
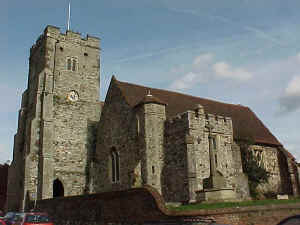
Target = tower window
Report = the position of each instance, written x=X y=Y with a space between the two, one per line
x=69 y=64
x=214 y=141
x=115 y=166
x=72 y=64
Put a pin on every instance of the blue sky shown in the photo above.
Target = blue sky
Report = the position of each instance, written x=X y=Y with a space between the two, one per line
x=236 y=51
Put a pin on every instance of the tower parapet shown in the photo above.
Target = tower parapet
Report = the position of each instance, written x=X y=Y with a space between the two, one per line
x=76 y=37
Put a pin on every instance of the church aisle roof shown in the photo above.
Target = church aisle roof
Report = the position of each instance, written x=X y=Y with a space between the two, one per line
x=245 y=123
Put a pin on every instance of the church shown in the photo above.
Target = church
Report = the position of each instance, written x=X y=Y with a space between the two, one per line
x=188 y=148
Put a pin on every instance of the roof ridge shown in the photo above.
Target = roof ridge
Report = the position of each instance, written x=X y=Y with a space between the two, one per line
x=197 y=97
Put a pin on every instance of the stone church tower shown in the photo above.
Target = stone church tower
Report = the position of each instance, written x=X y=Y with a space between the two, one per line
x=57 y=120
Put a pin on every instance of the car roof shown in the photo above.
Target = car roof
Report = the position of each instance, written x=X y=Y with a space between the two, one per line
x=35 y=213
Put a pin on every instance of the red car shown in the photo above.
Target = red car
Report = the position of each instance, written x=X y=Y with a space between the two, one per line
x=32 y=218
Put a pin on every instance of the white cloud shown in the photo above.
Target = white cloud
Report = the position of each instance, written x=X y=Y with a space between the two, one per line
x=298 y=57
x=203 y=59
x=293 y=88
x=185 y=82
x=205 y=68
x=290 y=100
x=224 y=70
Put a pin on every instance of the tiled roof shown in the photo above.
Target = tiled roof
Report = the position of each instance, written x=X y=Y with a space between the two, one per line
x=246 y=125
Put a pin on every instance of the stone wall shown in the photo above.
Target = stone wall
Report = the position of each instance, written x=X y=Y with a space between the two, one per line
x=118 y=131
x=278 y=163
x=172 y=155
x=146 y=206
x=74 y=122
x=151 y=118
x=74 y=142
x=187 y=155
x=175 y=186
x=293 y=173
x=268 y=159
x=286 y=183
x=241 y=183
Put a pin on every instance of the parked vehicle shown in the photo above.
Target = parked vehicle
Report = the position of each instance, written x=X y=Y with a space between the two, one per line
x=32 y=218
x=9 y=217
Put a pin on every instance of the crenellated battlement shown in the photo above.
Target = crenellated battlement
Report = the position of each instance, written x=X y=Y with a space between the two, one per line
x=219 y=120
x=75 y=37
x=198 y=118
x=211 y=118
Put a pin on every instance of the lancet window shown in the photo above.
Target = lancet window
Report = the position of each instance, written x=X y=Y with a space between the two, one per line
x=115 y=166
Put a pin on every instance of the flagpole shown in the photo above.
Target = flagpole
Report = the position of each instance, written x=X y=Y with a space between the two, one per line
x=69 y=15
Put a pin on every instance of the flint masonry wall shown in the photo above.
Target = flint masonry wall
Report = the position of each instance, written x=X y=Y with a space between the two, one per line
x=47 y=119
x=151 y=118
x=241 y=182
x=174 y=173
x=224 y=151
x=267 y=157
x=187 y=155
x=117 y=130
x=293 y=174
x=15 y=181
x=75 y=123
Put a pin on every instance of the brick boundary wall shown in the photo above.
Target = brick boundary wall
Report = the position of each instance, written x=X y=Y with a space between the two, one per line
x=146 y=206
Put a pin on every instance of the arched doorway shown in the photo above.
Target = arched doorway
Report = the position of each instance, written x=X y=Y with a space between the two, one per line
x=58 y=188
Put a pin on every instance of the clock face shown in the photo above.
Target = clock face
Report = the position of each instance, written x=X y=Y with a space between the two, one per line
x=73 y=96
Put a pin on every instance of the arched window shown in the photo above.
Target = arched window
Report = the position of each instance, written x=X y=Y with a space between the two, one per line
x=58 y=188
x=115 y=166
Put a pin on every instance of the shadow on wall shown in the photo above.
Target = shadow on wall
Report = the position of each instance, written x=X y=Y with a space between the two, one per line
x=293 y=220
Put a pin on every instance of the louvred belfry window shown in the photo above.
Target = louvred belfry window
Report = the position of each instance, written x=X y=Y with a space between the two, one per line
x=72 y=64
x=69 y=64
